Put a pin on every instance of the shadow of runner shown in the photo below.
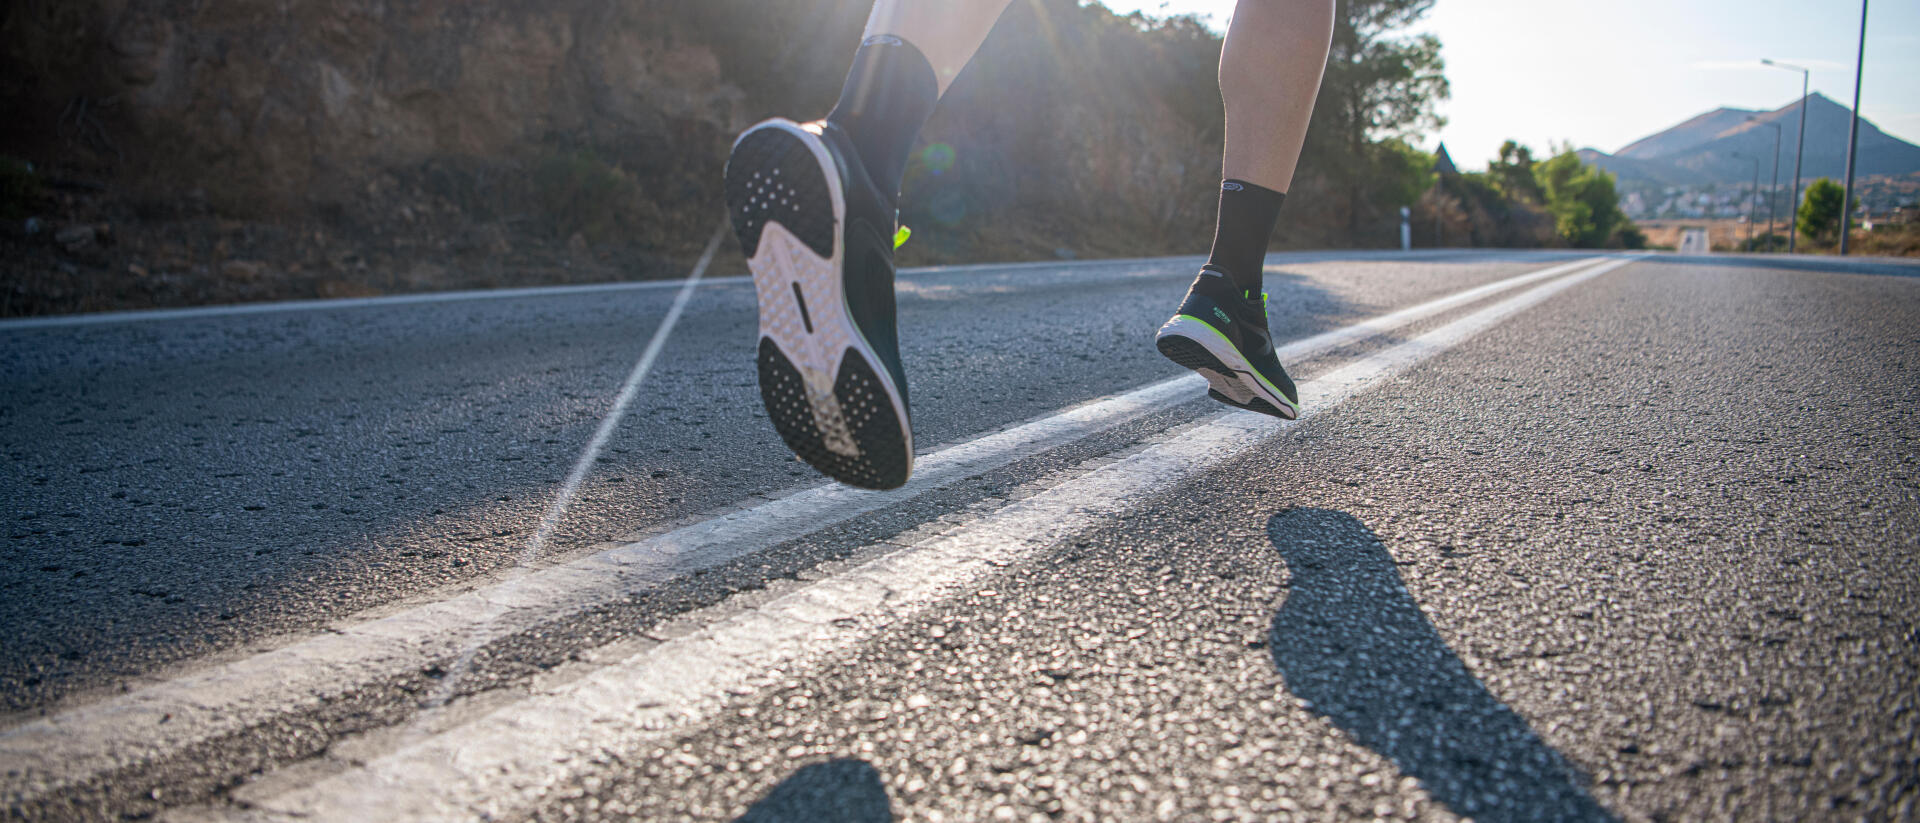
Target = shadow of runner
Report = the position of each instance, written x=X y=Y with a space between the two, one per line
x=845 y=790
x=1351 y=640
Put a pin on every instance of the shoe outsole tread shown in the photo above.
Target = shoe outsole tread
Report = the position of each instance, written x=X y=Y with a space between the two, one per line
x=870 y=420
x=801 y=201
x=1254 y=405
x=1191 y=354
x=775 y=177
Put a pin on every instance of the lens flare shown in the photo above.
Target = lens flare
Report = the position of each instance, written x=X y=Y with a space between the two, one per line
x=938 y=157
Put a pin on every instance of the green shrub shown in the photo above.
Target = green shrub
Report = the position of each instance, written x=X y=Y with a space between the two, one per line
x=1765 y=243
x=577 y=192
x=20 y=191
x=1818 y=218
x=1581 y=198
x=1627 y=236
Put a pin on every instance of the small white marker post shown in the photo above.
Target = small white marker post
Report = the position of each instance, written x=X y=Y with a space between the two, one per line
x=1406 y=229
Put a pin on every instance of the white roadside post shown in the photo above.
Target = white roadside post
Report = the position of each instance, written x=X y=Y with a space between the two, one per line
x=1406 y=229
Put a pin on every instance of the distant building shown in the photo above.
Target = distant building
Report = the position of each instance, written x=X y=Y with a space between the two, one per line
x=1899 y=216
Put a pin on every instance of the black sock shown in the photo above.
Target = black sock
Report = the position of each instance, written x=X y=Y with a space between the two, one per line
x=890 y=93
x=1247 y=216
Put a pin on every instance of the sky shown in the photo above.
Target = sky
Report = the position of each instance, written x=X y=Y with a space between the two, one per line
x=1603 y=75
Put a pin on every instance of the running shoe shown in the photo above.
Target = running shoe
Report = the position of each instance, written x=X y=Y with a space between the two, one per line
x=819 y=239
x=1222 y=334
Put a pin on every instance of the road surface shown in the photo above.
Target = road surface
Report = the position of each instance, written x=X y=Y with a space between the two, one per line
x=1562 y=536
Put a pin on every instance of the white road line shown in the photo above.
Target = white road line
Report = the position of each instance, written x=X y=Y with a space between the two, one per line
x=281 y=306
x=199 y=312
x=550 y=522
x=77 y=745
x=504 y=763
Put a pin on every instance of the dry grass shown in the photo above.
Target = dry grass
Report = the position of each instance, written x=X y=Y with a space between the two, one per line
x=1889 y=241
x=1730 y=235
x=1724 y=235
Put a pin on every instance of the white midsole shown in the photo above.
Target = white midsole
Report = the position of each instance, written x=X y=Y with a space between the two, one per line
x=779 y=263
x=1242 y=385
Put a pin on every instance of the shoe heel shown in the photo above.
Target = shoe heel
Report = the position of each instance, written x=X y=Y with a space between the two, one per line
x=774 y=176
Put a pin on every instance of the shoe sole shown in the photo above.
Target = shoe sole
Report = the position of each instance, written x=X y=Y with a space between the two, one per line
x=1193 y=344
x=1255 y=405
x=824 y=388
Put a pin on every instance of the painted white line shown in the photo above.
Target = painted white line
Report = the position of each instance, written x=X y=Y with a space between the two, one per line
x=570 y=488
x=160 y=720
x=282 y=306
x=200 y=312
x=504 y=763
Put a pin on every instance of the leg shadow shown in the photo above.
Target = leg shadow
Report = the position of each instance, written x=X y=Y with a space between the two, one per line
x=843 y=791
x=1351 y=640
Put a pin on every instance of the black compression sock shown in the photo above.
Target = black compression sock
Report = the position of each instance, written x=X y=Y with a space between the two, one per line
x=1247 y=216
x=890 y=92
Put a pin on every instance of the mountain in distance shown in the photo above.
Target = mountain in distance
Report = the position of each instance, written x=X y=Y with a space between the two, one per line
x=1719 y=147
x=1692 y=133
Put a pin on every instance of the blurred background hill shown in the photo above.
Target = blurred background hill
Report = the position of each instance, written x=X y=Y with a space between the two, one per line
x=163 y=153
x=1719 y=147
x=1716 y=172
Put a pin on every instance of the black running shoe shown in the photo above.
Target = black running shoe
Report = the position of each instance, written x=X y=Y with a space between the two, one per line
x=1222 y=334
x=819 y=239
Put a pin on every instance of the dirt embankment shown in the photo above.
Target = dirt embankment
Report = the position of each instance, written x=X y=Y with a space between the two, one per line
x=225 y=150
x=170 y=153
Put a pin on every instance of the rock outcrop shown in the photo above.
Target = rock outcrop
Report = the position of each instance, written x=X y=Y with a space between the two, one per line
x=292 y=103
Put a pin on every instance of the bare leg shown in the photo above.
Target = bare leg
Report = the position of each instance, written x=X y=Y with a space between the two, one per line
x=1270 y=71
x=948 y=32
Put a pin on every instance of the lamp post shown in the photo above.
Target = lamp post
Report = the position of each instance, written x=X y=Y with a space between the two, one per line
x=1853 y=133
x=1773 y=191
x=1799 y=148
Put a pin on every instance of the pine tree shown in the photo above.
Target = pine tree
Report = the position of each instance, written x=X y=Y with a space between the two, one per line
x=1819 y=216
x=1379 y=84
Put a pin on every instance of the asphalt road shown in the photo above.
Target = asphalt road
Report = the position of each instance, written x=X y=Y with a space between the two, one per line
x=186 y=486
x=1646 y=550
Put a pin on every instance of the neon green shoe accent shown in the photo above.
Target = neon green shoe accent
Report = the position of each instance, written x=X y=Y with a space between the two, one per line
x=900 y=237
x=1264 y=307
x=1250 y=370
x=1209 y=326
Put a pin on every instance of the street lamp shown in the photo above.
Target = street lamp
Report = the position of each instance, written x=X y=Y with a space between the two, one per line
x=1773 y=192
x=1853 y=134
x=1799 y=148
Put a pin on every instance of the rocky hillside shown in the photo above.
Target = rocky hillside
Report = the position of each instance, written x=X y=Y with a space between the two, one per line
x=160 y=152
x=227 y=149
x=282 y=106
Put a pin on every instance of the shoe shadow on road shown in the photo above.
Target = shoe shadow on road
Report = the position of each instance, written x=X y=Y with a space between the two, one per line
x=846 y=790
x=1350 y=640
